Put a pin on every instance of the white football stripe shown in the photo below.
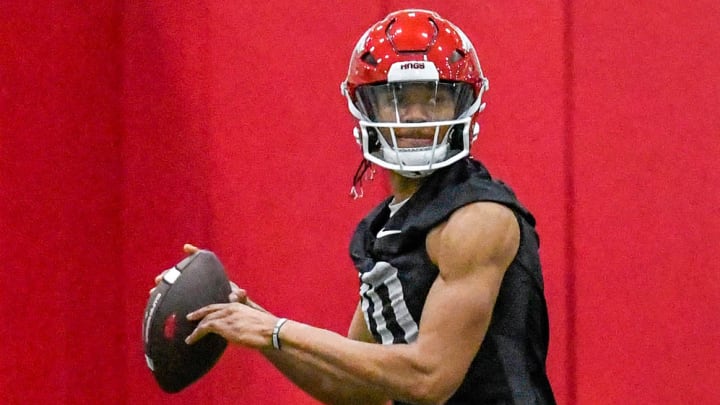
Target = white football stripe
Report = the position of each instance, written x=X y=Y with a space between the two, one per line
x=171 y=275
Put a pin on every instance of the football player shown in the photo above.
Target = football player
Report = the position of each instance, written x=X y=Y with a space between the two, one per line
x=451 y=307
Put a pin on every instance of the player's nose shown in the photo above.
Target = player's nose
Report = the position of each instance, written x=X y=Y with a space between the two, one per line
x=415 y=112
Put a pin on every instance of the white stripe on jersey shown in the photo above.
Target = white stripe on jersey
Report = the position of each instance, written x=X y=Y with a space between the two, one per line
x=384 y=274
x=367 y=292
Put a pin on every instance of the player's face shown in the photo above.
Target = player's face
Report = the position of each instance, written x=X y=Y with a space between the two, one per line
x=415 y=103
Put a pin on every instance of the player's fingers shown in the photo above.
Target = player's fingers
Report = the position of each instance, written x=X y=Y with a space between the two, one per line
x=240 y=298
x=197 y=334
x=237 y=294
x=190 y=249
x=159 y=277
x=204 y=311
x=211 y=322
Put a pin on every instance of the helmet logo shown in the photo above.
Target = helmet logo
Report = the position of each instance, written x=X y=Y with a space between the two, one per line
x=412 y=65
x=412 y=71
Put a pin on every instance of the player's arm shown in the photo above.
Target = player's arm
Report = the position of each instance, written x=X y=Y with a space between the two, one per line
x=328 y=385
x=472 y=250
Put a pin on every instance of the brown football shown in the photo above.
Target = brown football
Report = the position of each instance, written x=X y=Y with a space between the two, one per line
x=197 y=281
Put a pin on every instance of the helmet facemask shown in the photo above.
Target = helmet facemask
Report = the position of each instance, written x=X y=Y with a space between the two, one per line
x=415 y=127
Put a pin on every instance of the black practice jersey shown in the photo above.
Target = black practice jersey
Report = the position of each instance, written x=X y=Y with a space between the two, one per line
x=396 y=275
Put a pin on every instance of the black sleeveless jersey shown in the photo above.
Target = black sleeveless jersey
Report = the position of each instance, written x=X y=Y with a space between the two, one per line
x=396 y=275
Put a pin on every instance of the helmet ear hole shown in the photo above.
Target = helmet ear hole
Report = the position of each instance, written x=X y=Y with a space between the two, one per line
x=456 y=56
x=368 y=58
x=456 y=138
x=373 y=139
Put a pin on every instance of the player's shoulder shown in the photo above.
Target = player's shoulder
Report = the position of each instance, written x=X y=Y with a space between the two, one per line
x=480 y=212
x=479 y=231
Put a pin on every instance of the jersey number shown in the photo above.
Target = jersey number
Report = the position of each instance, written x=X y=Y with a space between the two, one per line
x=383 y=305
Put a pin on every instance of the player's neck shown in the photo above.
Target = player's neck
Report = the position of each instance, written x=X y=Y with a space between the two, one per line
x=403 y=187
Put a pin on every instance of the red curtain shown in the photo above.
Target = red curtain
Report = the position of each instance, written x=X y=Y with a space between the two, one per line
x=130 y=128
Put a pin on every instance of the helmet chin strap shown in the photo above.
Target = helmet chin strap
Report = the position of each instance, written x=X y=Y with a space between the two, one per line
x=414 y=175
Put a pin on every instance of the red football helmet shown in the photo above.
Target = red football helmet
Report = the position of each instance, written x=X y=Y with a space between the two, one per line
x=415 y=85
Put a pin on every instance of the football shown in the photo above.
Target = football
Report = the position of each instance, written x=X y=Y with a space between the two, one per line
x=196 y=281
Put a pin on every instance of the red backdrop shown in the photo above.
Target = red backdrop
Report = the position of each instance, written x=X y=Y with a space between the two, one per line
x=129 y=128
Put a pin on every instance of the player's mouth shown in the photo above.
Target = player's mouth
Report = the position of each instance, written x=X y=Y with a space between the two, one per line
x=416 y=137
x=403 y=142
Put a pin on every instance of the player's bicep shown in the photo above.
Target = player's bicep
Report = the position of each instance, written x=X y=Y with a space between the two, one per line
x=472 y=250
x=455 y=318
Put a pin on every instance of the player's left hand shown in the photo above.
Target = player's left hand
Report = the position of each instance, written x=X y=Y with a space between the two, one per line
x=237 y=294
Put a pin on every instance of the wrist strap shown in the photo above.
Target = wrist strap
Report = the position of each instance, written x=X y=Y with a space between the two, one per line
x=276 y=331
